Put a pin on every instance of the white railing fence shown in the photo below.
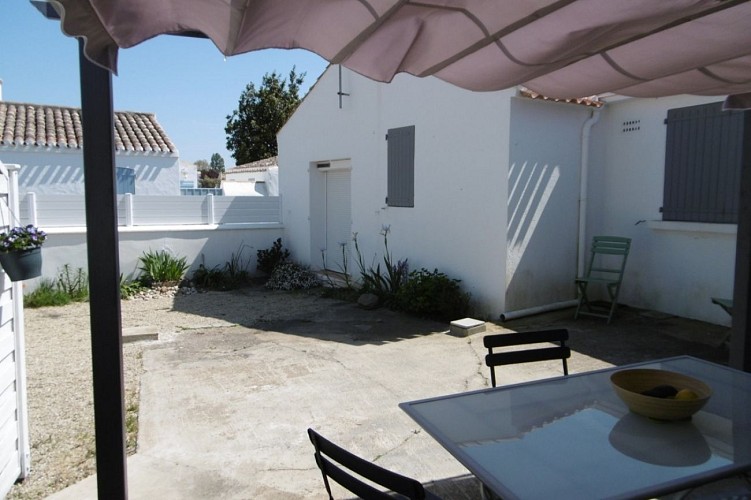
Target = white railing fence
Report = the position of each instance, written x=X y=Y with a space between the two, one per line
x=51 y=210
x=206 y=230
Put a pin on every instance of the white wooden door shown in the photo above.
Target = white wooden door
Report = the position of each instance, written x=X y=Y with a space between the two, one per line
x=14 y=444
x=338 y=219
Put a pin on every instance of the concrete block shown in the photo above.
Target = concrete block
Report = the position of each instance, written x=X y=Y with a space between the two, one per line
x=467 y=326
x=136 y=333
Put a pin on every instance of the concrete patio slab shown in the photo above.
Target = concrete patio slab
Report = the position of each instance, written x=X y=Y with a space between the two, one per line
x=224 y=410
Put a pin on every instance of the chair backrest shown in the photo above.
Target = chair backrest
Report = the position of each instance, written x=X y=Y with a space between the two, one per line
x=560 y=351
x=332 y=460
x=601 y=265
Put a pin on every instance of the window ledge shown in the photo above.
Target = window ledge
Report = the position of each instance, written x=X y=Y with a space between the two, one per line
x=692 y=227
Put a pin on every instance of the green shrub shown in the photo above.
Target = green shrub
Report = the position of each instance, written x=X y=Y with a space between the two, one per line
x=129 y=288
x=234 y=273
x=292 y=276
x=432 y=295
x=161 y=267
x=212 y=279
x=75 y=284
x=46 y=294
x=267 y=260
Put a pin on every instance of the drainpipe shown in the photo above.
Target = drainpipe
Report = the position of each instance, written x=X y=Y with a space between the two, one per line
x=584 y=174
x=509 y=315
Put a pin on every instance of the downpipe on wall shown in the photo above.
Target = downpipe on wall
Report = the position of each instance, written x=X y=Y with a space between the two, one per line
x=508 y=316
x=583 y=187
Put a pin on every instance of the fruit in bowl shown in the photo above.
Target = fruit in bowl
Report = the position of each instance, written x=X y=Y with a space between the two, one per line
x=660 y=394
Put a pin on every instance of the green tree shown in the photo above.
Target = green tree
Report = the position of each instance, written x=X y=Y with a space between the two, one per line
x=261 y=112
x=209 y=179
x=201 y=165
x=217 y=163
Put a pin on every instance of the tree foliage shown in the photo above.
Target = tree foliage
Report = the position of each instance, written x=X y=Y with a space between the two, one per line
x=217 y=163
x=201 y=165
x=251 y=129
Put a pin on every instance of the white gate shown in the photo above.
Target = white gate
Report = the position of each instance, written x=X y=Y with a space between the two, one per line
x=14 y=429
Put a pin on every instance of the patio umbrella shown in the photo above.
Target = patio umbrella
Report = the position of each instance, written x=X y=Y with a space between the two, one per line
x=559 y=48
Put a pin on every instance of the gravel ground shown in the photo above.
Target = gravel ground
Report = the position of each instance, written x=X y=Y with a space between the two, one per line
x=59 y=382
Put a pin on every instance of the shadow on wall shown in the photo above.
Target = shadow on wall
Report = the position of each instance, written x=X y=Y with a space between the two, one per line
x=32 y=176
x=542 y=228
x=147 y=172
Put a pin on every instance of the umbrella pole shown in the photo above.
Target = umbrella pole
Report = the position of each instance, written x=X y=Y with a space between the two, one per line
x=97 y=120
x=740 y=339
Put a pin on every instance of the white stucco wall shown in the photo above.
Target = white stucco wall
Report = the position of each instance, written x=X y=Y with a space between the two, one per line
x=543 y=199
x=51 y=171
x=673 y=267
x=211 y=246
x=461 y=158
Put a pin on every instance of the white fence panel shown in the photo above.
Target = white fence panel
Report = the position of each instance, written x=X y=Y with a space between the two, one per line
x=50 y=211
x=168 y=210
x=56 y=210
x=14 y=433
x=244 y=209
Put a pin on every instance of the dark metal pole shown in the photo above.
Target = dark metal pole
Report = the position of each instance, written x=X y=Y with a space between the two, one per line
x=740 y=338
x=97 y=120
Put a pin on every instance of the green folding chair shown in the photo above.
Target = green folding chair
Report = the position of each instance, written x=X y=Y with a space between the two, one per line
x=606 y=264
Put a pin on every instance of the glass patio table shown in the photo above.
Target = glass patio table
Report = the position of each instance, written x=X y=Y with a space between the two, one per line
x=572 y=437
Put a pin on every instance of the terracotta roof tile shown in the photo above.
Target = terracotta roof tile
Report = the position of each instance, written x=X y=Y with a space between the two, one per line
x=256 y=166
x=60 y=127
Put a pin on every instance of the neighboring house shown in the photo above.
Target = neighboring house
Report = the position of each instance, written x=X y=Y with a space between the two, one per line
x=259 y=178
x=487 y=187
x=47 y=142
x=188 y=175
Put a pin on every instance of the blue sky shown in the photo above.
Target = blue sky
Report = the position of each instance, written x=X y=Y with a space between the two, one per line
x=186 y=82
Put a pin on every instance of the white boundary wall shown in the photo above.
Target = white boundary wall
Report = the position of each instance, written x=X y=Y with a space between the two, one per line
x=208 y=245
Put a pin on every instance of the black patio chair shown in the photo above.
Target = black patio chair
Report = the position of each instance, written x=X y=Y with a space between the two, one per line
x=332 y=458
x=560 y=351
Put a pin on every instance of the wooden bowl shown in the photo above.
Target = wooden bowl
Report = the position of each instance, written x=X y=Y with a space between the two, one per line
x=629 y=385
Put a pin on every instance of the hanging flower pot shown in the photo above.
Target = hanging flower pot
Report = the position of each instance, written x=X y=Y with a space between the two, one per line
x=22 y=264
x=21 y=252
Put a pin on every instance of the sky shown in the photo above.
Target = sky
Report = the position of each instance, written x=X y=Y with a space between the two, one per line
x=186 y=82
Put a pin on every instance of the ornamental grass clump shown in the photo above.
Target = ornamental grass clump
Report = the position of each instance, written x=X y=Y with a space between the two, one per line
x=384 y=282
x=22 y=238
x=161 y=267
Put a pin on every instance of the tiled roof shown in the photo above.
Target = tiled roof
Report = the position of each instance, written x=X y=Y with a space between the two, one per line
x=592 y=101
x=60 y=127
x=256 y=166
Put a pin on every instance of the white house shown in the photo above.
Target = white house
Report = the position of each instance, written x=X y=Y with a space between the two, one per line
x=259 y=178
x=47 y=142
x=488 y=187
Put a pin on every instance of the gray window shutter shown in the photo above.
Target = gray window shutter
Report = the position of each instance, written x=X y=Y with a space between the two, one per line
x=702 y=164
x=401 y=167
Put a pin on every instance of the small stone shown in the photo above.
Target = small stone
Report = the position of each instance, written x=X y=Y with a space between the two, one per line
x=368 y=301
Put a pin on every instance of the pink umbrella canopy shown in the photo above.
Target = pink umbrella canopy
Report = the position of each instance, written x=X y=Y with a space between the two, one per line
x=561 y=49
